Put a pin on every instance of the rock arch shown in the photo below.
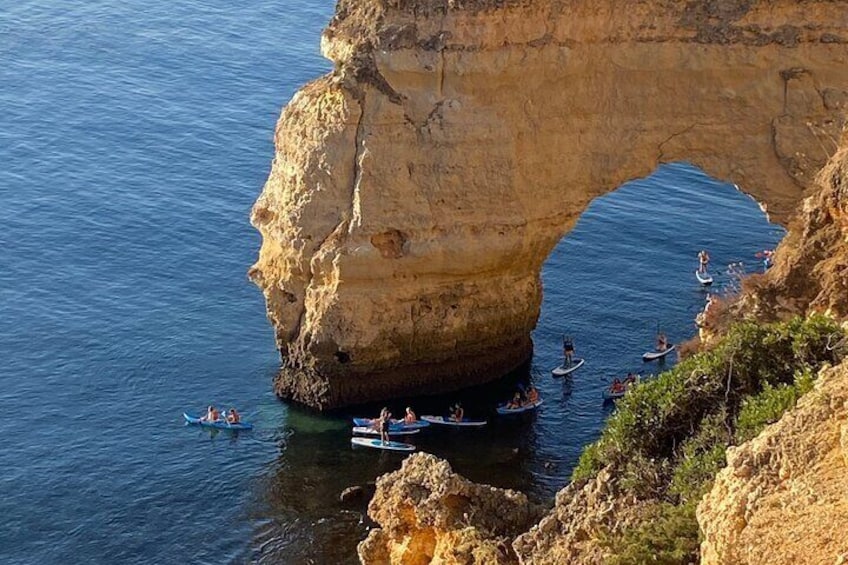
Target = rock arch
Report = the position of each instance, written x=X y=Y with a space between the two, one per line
x=417 y=189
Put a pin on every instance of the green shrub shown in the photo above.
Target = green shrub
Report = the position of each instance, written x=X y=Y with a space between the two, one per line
x=768 y=406
x=668 y=535
x=667 y=439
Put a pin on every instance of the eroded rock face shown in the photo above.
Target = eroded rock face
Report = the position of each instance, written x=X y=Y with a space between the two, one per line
x=783 y=497
x=811 y=267
x=417 y=189
x=429 y=514
x=581 y=518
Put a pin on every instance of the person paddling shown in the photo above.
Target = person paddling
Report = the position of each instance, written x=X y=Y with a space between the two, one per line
x=567 y=350
x=703 y=261
x=385 y=417
x=662 y=342
x=212 y=415
x=532 y=395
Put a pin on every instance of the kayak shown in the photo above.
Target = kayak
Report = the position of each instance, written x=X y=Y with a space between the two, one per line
x=504 y=411
x=704 y=278
x=563 y=370
x=395 y=425
x=445 y=421
x=219 y=425
x=377 y=444
x=368 y=430
x=610 y=395
x=654 y=355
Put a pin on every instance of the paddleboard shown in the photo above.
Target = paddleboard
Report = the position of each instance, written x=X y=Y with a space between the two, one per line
x=393 y=425
x=377 y=444
x=654 y=355
x=563 y=370
x=443 y=421
x=366 y=430
x=704 y=278
x=219 y=425
x=504 y=411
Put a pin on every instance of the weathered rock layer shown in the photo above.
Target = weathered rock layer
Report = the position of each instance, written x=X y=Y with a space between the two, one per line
x=417 y=189
x=783 y=497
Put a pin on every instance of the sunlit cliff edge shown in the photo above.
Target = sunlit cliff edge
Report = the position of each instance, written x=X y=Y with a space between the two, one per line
x=417 y=189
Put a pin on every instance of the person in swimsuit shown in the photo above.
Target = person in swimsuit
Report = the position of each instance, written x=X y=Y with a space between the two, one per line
x=458 y=413
x=233 y=417
x=385 y=417
x=410 y=417
x=532 y=395
x=567 y=350
x=212 y=415
x=662 y=342
x=703 y=261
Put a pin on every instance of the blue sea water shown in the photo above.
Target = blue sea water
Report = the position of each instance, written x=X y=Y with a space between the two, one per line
x=134 y=138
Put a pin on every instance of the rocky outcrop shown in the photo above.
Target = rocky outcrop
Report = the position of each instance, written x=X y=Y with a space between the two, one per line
x=582 y=517
x=418 y=188
x=811 y=270
x=783 y=497
x=429 y=514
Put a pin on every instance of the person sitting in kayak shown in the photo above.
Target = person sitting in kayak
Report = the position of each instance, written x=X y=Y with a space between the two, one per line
x=515 y=402
x=631 y=378
x=532 y=395
x=567 y=350
x=410 y=417
x=662 y=342
x=617 y=385
x=703 y=261
x=458 y=413
x=385 y=417
x=233 y=417
x=212 y=415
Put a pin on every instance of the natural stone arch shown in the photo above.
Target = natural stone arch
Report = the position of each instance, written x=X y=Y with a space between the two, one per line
x=417 y=189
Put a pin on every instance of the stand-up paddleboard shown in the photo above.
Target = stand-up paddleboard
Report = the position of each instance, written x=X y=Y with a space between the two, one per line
x=564 y=370
x=393 y=425
x=704 y=278
x=445 y=421
x=654 y=355
x=219 y=425
x=377 y=444
x=504 y=411
x=366 y=430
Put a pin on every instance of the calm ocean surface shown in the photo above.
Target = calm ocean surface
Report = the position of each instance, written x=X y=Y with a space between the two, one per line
x=134 y=138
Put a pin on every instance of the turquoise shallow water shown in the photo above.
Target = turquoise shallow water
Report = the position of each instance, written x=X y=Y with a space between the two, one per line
x=134 y=138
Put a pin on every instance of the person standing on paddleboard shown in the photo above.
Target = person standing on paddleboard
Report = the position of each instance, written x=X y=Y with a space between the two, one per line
x=703 y=261
x=567 y=350
x=385 y=416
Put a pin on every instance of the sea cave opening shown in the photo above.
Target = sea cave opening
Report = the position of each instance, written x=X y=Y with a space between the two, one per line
x=625 y=272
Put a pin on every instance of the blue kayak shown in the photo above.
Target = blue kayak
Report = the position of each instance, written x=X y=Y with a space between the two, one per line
x=504 y=411
x=219 y=425
x=395 y=425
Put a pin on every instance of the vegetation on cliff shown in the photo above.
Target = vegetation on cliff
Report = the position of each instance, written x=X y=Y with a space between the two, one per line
x=667 y=440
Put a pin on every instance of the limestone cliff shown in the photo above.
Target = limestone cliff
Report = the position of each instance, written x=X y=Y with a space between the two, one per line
x=811 y=268
x=783 y=497
x=418 y=188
